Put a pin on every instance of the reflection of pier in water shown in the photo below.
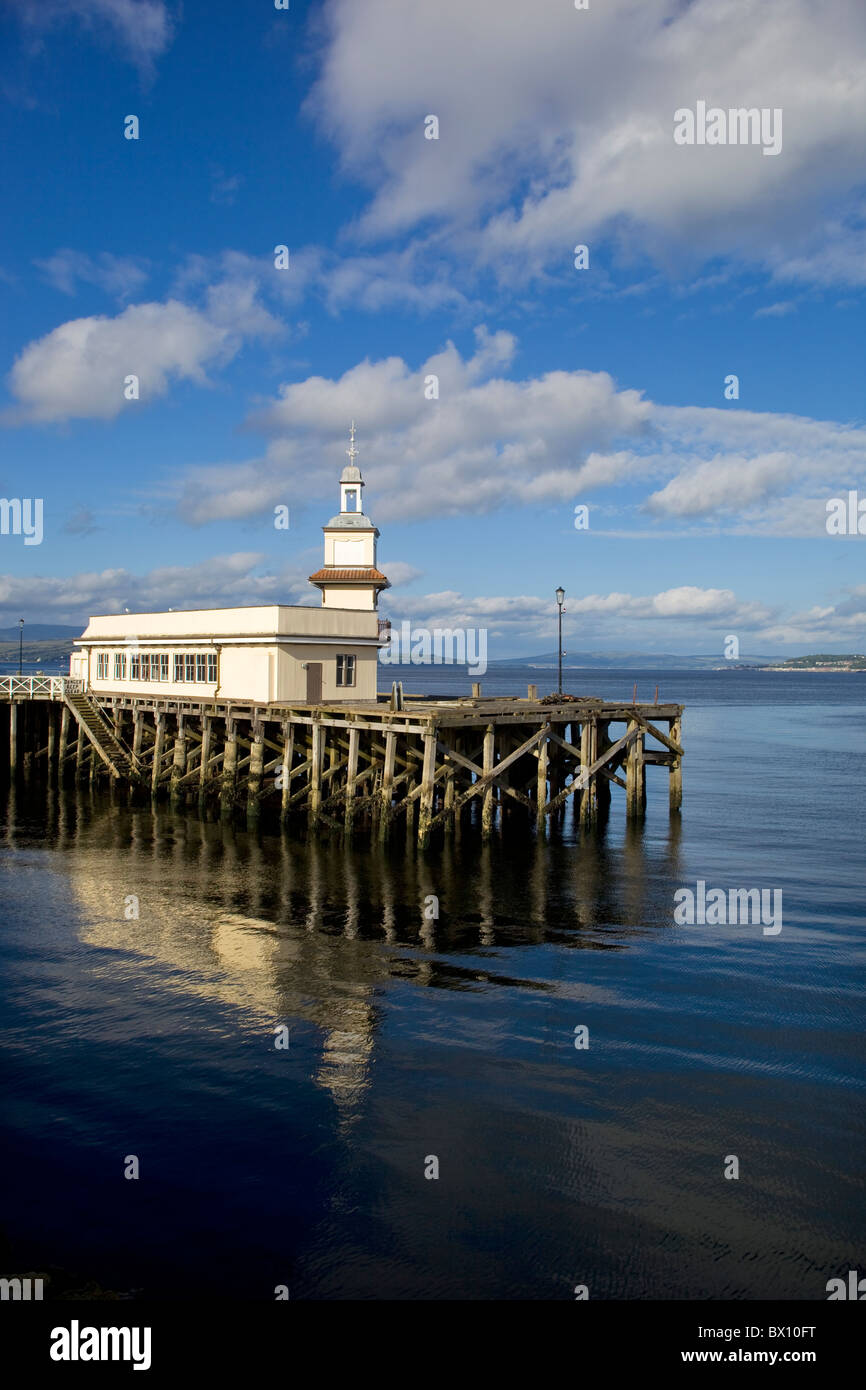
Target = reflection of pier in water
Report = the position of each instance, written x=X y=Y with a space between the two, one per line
x=281 y=930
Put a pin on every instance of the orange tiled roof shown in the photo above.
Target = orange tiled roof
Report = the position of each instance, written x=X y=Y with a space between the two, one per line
x=365 y=575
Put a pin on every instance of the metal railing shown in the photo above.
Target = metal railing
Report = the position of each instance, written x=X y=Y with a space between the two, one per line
x=39 y=687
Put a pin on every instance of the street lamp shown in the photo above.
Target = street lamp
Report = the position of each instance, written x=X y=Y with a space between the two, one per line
x=560 y=595
x=20 y=644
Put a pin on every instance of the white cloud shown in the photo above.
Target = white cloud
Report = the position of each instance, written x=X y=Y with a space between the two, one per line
x=221 y=580
x=141 y=28
x=563 y=437
x=119 y=276
x=78 y=370
x=779 y=310
x=553 y=136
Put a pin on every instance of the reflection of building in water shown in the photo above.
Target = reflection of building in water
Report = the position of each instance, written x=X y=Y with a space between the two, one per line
x=281 y=931
x=181 y=877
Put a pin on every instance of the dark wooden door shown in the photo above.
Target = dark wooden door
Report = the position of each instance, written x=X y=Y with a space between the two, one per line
x=314 y=683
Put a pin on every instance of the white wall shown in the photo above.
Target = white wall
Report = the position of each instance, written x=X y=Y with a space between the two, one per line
x=260 y=675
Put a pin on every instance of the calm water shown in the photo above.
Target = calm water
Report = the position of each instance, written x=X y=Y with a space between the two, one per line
x=305 y=1167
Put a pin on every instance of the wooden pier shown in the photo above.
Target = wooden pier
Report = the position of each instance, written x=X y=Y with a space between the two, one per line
x=426 y=765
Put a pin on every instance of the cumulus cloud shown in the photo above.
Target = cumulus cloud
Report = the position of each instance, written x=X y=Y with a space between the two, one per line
x=548 y=143
x=489 y=441
x=687 y=617
x=78 y=370
x=220 y=581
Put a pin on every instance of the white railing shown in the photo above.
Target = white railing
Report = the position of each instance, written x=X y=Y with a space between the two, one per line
x=39 y=687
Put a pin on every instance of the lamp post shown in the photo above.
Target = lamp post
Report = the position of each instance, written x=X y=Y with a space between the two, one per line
x=20 y=645
x=560 y=595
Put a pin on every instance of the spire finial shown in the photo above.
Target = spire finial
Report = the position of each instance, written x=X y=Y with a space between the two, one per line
x=352 y=451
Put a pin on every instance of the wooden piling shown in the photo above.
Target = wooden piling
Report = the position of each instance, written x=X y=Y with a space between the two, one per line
x=602 y=786
x=229 y=772
x=488 y=761
x=425 y=815
x=351 y=774
x=286 y=769
x=387 y=790
x=158 y=746
x=178 y=769
x=204 y=765
x=137 y=734
x=79 y=753
x=541 y=784
x=64 y=738
x=317 y=734
x=254 y=776
x=588 y=755
x=635 y=792
x=675 y=727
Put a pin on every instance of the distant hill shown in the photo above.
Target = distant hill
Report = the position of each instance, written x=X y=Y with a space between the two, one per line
x=40 y=632
x=37 y=653
x=633 y=661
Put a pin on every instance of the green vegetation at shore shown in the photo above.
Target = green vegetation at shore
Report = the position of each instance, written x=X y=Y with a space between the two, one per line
x=829 y=661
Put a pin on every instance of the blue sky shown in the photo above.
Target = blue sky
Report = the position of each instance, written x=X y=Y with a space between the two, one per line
x=454 y=257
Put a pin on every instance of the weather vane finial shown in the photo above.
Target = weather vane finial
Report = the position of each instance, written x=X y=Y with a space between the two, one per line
x=352 y=451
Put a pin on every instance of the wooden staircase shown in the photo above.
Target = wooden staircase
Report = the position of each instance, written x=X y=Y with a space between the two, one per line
x=120 y=762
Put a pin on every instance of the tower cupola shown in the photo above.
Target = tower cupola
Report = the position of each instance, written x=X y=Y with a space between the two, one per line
x=349 y=577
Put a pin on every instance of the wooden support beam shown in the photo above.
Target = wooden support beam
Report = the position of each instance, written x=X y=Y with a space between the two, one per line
x=488 y=759
x=315 y=784
x=204 y=762
x=387 y=790
x=676 y=773
x=228 y=779
x=635 y=795
x=351 y=775
x=578 y=783
x=671 y=743
x=52 y=739
x=541 y=783
x=179 y=762
x=588 y=755
x=64 y=735
x=286 y=771
x=254 y=777
x=427 y=783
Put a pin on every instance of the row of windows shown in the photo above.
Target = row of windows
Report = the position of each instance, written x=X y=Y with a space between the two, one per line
x=200 y=668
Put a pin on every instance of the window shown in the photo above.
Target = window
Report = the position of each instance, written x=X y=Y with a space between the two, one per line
x=345 y=670
x=145 y=666
x=135 y=668
x=120 y=666
x=190 y=666
x=101 y=666
x=178 y=667
x=212 y=668
x=163 y=666
x=201 y=667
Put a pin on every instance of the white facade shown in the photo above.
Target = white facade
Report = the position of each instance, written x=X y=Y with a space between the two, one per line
x=274 y=654
x=349 y=577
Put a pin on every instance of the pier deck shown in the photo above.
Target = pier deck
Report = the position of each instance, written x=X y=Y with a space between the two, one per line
x=428 y=763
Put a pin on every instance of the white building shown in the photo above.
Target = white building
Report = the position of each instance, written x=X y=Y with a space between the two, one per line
x=273 y=654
